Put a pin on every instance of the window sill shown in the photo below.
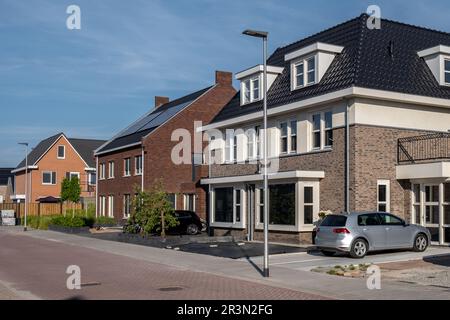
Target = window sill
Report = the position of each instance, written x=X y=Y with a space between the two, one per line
x=127 y=176
x=228 y=225
x=276 y=227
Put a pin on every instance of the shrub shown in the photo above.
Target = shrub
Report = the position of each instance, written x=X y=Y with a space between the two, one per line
x=36 y=222
x=67 y=221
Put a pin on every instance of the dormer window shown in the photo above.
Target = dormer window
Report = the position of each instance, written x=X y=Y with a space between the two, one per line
x=305 y=72
x=447 y=71
x=309 y=64
x=438 y=60
x=251 y=82
x=250 y=90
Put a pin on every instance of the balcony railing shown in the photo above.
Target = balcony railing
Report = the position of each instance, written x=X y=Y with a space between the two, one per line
x=429 y=147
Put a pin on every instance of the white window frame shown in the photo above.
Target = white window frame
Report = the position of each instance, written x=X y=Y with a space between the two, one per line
x=138 y=160
x=322 y=129
x=430 y=204
x=102 y=171
x=111 y=206
x=57 y=152
x=111 y=169
x=102 y=206
x=387 y=203
x=231 y=142
x=294 y=75
x=76 y=174
x=289 y=136
x=236 y=204
x=51 y=178
x=234 y=224
x=251 y=86
x=186 y=199
x=283 y=137
x=446 y=71
x=259 y=225
x=127 y=163
x=125 y=214
x=416 y=204
x=90 y=175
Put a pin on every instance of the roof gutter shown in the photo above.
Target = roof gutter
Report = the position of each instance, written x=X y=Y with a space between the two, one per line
x=116 y=149
x=23 y=169
x=351 y=92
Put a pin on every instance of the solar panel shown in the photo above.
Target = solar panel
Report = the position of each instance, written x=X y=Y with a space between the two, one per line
x=166 y=115
x=135 y=127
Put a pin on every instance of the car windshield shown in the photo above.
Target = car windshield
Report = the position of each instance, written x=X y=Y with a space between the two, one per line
x=334 y=221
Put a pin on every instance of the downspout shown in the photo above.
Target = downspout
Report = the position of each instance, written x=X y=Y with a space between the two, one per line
x=347 y=157
x=96 y=186
x=143 y=169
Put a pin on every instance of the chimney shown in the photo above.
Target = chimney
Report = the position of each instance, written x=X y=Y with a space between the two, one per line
x=159 y=101
x=224 y=78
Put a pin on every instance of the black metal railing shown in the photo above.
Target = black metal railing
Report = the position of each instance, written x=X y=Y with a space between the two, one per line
x=434 y=146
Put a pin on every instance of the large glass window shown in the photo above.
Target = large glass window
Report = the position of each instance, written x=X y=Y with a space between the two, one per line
x=432 y=204
x=189 y=202
x=223 y=207
x=282 y=204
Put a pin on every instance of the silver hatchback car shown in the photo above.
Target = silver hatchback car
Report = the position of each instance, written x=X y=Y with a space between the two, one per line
x=360 y=232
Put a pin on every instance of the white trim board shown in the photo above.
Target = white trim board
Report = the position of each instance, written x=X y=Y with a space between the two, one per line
x=297 y=174
x=351 y=92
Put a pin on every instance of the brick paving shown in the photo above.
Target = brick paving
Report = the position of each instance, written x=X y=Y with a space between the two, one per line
x=39 y=266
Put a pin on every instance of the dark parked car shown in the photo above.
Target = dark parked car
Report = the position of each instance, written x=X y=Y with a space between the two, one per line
x=190 y=222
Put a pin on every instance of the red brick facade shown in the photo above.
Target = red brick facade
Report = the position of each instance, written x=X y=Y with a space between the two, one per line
x=157 y=148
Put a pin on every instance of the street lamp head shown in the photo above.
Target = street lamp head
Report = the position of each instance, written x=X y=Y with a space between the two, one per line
x=23 y=143
x=255 y=33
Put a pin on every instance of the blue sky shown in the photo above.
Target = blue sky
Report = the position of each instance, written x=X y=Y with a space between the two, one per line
x=92 y=82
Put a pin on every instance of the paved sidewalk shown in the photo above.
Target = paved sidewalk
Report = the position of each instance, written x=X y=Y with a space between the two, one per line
x=298 y=280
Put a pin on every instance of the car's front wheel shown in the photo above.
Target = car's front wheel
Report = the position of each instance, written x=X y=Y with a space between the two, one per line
x=192 y=229
x=420 y=243
x=359 y=249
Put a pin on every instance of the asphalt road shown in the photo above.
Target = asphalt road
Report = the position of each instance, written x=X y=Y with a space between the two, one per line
x=36 y=268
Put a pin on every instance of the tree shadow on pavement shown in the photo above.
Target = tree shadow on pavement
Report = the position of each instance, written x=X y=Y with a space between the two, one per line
x=441 y=259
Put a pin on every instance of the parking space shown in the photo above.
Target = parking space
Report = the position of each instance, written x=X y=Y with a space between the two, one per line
x=312 y=259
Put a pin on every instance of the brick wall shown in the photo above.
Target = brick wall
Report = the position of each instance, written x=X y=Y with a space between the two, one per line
x=158 y=147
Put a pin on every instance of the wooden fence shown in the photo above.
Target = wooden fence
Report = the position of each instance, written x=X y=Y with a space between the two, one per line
x=40 y=209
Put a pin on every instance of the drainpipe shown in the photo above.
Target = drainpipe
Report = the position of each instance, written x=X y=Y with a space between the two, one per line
x=347 y=157
x=97 y=175
x=143 y=169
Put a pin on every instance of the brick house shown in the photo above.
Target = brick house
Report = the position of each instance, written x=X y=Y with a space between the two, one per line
x=52 y=160
x=358 y=120
x=140 y=155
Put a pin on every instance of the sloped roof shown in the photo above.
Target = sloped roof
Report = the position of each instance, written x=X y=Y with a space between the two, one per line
x=365 y=61
x=134 y=133
x=84 y=147
x=5 y=175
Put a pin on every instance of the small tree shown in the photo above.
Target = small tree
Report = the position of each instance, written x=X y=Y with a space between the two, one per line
x=65 y=191
x=75 y=190
x=152 y=211
x=71 y=191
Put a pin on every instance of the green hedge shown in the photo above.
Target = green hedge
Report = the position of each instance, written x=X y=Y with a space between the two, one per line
x=105 y=221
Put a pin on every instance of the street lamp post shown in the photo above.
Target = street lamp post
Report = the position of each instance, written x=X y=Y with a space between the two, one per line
x=264 y=35
x=26 y=184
